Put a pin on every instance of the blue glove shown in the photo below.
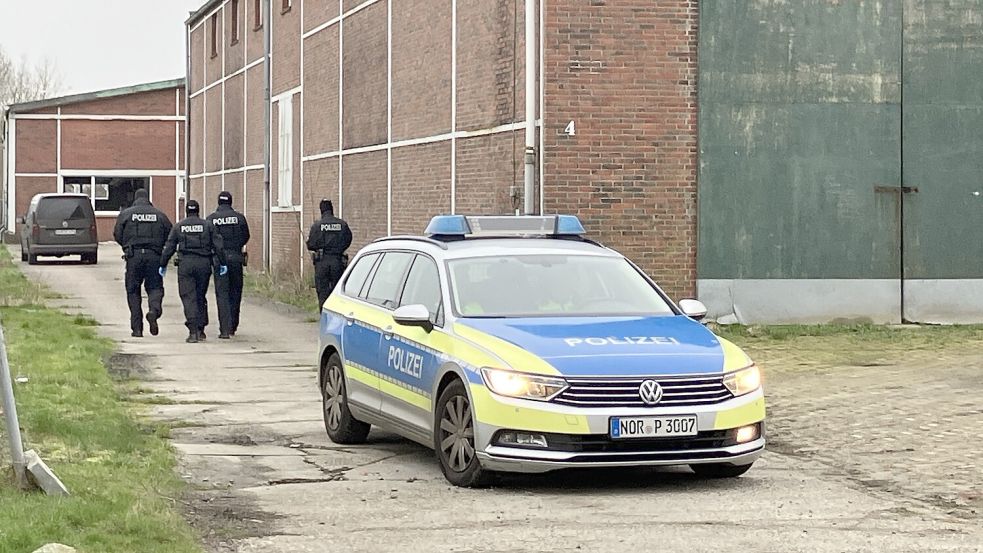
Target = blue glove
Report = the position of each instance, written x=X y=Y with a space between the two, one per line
x=162 y=271
x=223 y=270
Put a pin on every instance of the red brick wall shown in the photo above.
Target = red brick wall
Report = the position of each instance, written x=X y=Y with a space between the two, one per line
x=255 y=114
x=364 y=203
x=321 y=92
x=197 y=76
x=485 y=173
x=255 y=36
x=320 y=182
x=286 y=242
x=365 y=78
x=421 y=186
x=625 y=72
x=197 y=131
x=117 y=145
x=164 y=195
x=214 y=68
x=158 y=102
x=234 y=120
x=421 y=68
x=252 y=201
x=28 y=187
x=213 y=129
x=36 y=147
x=286 y=48
x=235 y=54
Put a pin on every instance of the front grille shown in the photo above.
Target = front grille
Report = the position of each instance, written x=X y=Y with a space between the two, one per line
x=678 y=391
x=602 y=443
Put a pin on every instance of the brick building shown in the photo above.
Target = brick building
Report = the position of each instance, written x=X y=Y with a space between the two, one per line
x=402 y=109
x=105 y=144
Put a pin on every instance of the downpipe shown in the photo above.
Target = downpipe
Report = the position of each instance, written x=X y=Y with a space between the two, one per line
x=529 y=190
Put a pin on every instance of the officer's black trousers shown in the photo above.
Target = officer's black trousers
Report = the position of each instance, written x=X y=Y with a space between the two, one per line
x=193 y=275
x=141 y=270
x=327 y=272
x=228 y=295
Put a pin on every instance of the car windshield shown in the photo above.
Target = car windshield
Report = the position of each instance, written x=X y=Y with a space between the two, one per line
x=550 y=286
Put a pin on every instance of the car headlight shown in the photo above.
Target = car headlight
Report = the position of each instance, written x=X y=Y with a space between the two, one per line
x=521 y=385
x=743 y=381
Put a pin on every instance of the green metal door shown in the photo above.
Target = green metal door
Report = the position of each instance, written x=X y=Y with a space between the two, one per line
x=943 y=160
x=800 y=160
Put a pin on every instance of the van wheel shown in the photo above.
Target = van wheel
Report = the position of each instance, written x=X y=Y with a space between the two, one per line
x=90 y=258
x=454 y=439
x=342 y=426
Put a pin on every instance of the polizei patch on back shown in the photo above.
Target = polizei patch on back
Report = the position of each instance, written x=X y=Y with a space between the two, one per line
x=333 y=227
x=193 y=229
x=145 y=217
x=221 y=221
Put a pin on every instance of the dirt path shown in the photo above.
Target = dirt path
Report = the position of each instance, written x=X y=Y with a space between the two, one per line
x=267 y=479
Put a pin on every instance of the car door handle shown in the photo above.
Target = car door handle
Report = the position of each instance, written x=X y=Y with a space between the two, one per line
x=350 y=318
x=388 y=333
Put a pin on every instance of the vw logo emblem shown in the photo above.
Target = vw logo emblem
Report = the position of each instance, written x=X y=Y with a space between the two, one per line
x=650 y=392
x=64 y=224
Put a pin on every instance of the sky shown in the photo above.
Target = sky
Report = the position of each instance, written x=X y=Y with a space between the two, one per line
x=99 y=44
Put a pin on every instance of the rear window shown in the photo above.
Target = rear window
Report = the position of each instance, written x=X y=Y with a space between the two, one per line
x=64 y=209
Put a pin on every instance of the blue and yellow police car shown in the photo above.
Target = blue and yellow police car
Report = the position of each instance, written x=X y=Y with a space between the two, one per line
x=516 y=344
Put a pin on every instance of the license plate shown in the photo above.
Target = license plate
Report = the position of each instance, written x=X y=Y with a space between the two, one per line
x=653 y=427
x=65 y=232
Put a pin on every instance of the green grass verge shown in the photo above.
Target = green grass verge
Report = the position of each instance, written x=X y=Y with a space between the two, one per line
x=124 y=489
x=791 y=346
x=291 y=290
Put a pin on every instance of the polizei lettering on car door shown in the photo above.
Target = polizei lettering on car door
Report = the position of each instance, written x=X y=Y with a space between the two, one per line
x=623 y=341
x=405 y=362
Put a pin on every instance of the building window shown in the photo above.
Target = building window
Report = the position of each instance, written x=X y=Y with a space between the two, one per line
x=285 y=171
x=215 y=35
x=286 y=5
x=257 y=15
x=108 y=194
x=235 y=21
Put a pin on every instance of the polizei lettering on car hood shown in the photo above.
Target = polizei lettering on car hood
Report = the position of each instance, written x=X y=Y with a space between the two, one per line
x=595 y=346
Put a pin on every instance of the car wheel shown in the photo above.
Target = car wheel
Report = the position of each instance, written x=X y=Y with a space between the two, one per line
x=341 y=425
x=454 y=439
x=719 y=470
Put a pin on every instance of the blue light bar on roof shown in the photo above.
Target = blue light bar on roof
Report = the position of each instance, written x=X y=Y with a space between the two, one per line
x=505 y=225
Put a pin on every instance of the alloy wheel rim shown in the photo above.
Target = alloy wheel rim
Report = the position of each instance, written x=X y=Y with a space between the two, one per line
x=333 y=398
x=457 y=434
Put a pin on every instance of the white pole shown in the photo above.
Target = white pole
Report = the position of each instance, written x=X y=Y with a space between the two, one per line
x=529 y=191
x=10 y=415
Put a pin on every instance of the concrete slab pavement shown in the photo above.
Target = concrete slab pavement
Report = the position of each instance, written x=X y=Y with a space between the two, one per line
x=266 y=478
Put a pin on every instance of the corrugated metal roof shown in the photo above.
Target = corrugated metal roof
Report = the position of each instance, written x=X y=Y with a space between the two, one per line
x=195 y=16
x=98 y=95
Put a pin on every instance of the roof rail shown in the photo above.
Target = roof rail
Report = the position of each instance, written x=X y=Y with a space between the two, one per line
x=424 y=239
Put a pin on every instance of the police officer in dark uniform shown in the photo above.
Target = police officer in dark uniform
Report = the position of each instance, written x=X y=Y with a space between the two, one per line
x=196 y=241
x=234 y=229
x=328 y=240
x=141 y=230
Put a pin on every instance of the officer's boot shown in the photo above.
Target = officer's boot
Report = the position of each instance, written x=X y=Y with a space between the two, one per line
x=192 y=337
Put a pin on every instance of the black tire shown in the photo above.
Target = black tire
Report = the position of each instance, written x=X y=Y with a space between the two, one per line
x=341 y=425
x=90 y=258
x=454 y=439
x=719 y=470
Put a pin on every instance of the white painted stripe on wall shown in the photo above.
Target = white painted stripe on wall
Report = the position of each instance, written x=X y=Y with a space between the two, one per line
x=801 y=301
x=508 y=127
x=73 y=117
x=454 y=106
x=341 y=111
x=222 y=80
x=542 y=105
x=389 y=117
x=28 y=175
x=12 y=174
x=338 y=19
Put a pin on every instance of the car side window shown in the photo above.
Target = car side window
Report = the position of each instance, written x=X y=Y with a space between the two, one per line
x=388 y=279
x=359 y=274
x=423 y=288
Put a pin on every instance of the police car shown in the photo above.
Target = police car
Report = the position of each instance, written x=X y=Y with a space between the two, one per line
x=515 y=344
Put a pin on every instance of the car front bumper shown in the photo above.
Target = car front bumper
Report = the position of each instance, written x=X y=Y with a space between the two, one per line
x=579 y=437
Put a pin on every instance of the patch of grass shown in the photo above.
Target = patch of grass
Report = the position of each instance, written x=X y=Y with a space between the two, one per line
x=85 y=320
x=120 y=472
x=288 y=289
x=790 y=346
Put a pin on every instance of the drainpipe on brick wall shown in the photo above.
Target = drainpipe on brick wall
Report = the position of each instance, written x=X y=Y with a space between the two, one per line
x=187 y=123
x=268 y=134
x=529 y=191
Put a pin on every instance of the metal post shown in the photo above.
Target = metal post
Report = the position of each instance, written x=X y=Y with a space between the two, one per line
x=529 y=190
x=10 y=415
x=267 y=154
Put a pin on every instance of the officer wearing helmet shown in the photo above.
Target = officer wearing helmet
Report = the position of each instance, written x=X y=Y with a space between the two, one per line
x=196 y=241
x=141 y=231
x=328 y=240
x=234 y=229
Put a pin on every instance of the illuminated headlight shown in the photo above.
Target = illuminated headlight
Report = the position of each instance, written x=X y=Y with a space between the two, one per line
x=521 y=385
x=743 y=381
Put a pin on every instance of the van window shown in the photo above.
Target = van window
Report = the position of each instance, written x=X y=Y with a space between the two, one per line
x=56 y=210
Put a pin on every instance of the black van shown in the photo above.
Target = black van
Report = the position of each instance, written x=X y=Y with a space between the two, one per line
x=58 y=225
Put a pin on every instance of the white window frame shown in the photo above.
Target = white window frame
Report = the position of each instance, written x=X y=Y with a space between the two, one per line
x=92 y=188
x=285 y=167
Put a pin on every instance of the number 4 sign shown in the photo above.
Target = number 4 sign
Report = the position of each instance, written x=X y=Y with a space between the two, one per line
x=571 y=129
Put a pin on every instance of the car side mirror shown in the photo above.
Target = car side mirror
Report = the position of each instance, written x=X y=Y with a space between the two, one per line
x=413 y=315
x=20 y=221
x=693 y=309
